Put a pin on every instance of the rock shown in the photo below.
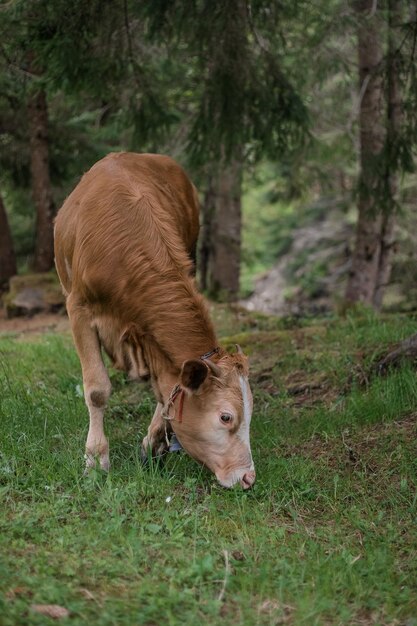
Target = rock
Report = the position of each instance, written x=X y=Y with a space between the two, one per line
x=309 y=277
x=34 y=293
x=50 y=610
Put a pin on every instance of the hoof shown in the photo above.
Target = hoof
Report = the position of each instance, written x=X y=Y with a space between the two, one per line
x=105 y=464
x=144 y=456
x=91 y=462
x=147 y=454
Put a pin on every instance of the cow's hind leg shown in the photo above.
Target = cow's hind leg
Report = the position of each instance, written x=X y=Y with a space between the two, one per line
x=96 y=382
x=155 y=441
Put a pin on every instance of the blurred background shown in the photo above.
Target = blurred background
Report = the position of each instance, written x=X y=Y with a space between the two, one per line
x=296 y=120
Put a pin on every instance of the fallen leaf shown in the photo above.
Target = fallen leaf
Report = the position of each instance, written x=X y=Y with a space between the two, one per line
x=18 y=591
x=268 y=606
x=356 y=558
x=87 y=594
x=50 y=610
x=273 y=607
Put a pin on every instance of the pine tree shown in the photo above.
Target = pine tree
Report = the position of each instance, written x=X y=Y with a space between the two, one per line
x=387 y=143
x=363 y=275
x=221 y=233
x=48 y=49
x=393 y=134
x=245 y=107
x=37 y=110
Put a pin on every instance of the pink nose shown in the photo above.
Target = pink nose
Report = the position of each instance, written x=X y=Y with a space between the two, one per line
x=247 y=480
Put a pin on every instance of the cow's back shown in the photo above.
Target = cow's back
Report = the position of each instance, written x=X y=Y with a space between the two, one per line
x=131 y=220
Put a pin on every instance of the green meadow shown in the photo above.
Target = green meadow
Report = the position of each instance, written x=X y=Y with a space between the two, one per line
x=328 y=534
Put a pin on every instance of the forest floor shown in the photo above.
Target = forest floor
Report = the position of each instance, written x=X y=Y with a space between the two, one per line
x=328 y=534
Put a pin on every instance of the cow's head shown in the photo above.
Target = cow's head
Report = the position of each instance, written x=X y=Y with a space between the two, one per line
x=216 y=415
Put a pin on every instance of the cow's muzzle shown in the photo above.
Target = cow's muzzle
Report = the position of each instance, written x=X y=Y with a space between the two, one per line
x=247 y=480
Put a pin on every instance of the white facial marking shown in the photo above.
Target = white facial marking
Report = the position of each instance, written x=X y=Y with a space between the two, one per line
x=243 y=431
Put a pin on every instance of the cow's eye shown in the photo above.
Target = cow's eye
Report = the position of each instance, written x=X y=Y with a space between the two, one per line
x=226 y=418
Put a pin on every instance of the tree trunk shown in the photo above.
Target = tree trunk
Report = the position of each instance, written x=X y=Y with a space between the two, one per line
x=220 y=250
x=40 y=181
x=7 y=254
x=387 y=244
x=394 y=119
x=364 y=272
x=206 y=237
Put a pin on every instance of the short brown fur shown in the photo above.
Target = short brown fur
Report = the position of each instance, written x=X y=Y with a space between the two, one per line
x=123 y=240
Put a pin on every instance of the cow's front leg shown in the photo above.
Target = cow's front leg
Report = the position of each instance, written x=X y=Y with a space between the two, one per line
x=96 y=383
x=155 y=441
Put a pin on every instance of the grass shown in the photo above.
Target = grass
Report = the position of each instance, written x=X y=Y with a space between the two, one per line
x=328 y=535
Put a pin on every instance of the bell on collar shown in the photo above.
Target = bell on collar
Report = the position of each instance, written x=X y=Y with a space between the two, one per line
x=174 y=444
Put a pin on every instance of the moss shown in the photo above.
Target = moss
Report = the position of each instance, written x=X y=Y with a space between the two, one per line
x=31 y=293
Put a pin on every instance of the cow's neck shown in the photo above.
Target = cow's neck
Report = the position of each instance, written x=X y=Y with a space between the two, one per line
x=176 y=326
x=171 y=323
x=189 y=337
x=164 y=373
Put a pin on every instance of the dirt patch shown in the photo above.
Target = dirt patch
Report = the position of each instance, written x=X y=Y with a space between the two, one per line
x=364 y=449
x=309 y=390
x=43 y=322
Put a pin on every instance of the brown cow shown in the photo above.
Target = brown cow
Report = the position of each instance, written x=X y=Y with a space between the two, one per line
x=123 y=241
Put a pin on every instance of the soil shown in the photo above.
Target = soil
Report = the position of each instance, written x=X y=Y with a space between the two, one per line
x=40 y=323
x=366 y=449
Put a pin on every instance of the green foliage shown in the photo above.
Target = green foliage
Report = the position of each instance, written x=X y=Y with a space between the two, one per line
x=268 y=225
x=21 y=221
x=204 y=81
x=244 y=101
x=96 y=70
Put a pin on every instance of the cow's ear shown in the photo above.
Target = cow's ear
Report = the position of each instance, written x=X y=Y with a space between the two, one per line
x=193 y=374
